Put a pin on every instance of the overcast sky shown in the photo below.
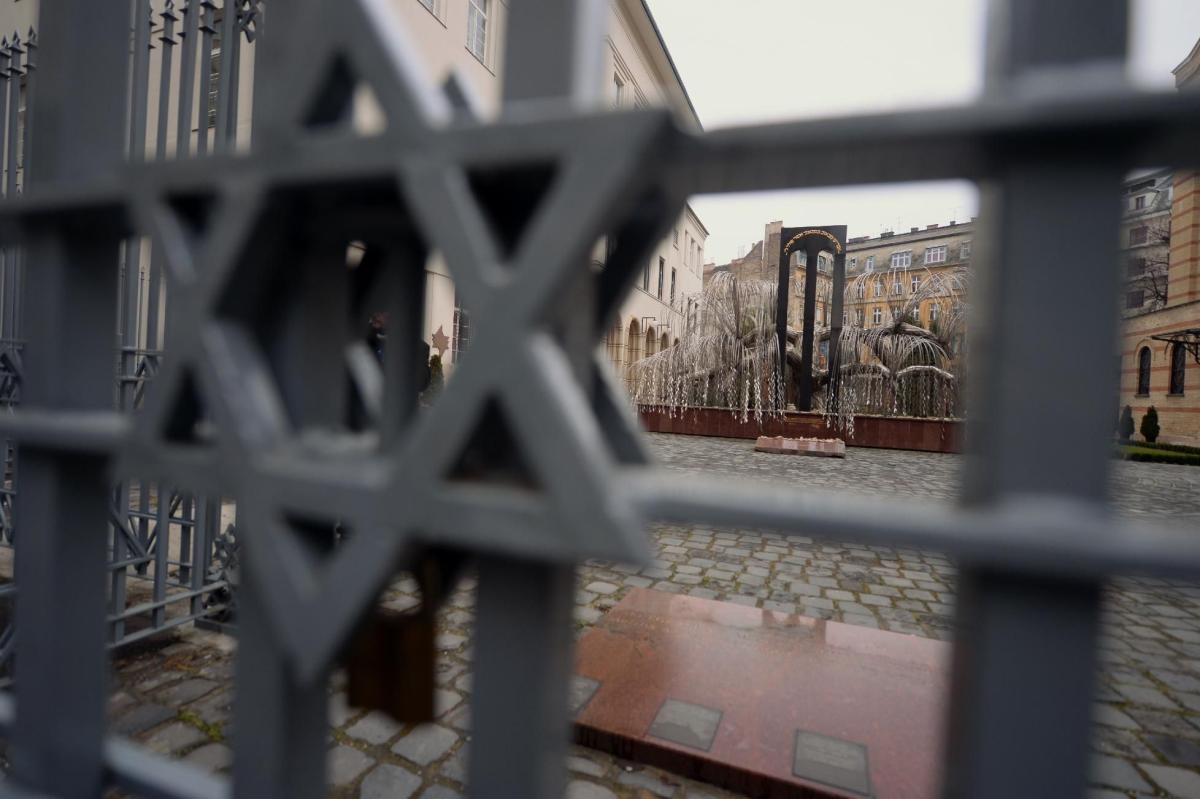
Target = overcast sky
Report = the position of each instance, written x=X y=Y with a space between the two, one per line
x=746 y=61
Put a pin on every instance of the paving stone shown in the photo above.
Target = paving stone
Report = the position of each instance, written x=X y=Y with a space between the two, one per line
x=1176 y=781
x=173 y=737
x=213 y=757
x=142 y=718
x=1107 y=714
x=344 y=764
x=1177 y=751
x=582 y=789
x=389 y=782
x=374 y=728
x=583 y=765
x=455 y=766
x=648 y=781
x=1141 y=695
x=440 y=792
x=426 y=743
x=600 y=587
x=1116 y=773
x=183 y=692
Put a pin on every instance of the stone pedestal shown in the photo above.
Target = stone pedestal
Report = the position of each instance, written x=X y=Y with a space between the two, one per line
x=763 y=703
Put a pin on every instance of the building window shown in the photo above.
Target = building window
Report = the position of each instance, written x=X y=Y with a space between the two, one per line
x=1139 y=203
x=897 y=286
x=1139 y=235
x=878 y=287
x=672 y=287
x=662 y=273
x=434 y=6
x=935 y=311
x=1178 y=364
x=675 y=236
x=917 y=315
x=935 y=255
x=1135 y=299
x=477 y=19
x=877 y=315
x=861 y=290
x=461 y=339
x=646 y=278
x=1143 y=386
x=870 y=267
x=214 y=82
x=853 y=262
x=858 y=317
x=1136 y=266
x=901 y=260
x=916 y=283
x=964 y=250
x=619 y=91
x=824 y=264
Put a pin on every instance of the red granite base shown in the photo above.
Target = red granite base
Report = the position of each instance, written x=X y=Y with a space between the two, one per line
x=763 y=703
x=888 y=432
x=821 y=447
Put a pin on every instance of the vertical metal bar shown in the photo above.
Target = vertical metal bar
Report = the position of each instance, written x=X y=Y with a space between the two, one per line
x=280 y=741
x=1058 y=219
x=187 y=511
x=524 y=646
x=207 y=29
x=189 y=39
x=783 y=287
x=833 y=388
x=162 y=547
x=164 y=79
x=227 y=81
x=56 y=746
x=812 y=249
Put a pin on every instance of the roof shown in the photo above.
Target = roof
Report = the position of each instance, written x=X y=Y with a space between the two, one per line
x=669 y=61
x=1189 y=67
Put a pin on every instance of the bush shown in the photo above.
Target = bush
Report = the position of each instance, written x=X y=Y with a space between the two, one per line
x=1184 y=448
x=1146 y=454
x=1125 y=426
x=1149 y=428
x=436 y=378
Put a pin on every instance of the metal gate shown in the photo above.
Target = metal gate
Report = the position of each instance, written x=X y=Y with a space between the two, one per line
x=1034 y=533
x=184 y=101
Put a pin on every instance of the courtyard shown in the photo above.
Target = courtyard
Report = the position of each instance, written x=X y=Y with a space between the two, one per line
x=175 y=694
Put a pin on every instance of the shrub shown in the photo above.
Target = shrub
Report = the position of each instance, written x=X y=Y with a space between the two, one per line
x=436 y=378
x=1149 y=428
x=1125 y=426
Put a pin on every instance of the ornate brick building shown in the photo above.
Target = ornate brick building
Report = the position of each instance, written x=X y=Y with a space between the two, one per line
x=1160 y=345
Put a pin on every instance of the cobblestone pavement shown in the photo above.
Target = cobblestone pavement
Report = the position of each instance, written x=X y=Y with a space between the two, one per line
x=176 y=698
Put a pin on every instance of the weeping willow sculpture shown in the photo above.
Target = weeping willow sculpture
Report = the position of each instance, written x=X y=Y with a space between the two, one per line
x=728 y=357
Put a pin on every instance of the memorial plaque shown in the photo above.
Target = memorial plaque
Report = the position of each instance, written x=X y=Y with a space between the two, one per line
x=764 y=703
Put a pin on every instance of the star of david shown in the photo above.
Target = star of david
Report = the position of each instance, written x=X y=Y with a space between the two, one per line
x=515 y=208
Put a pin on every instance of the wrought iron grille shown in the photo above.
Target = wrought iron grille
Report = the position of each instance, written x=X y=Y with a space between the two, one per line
x=1049 y=143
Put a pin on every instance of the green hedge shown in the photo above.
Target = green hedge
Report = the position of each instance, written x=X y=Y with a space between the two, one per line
x=1147 y=454
x=1166 y=447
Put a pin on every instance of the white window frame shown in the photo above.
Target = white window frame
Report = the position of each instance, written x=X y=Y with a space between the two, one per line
x=935 y=310
x=916 y=283
x=936 y=254
x=859 y=316
x=964 y=250
x=870 y=265
x=878 y=288
x=433 y=7
x=675 y=236
x=901 y=259
x=478 y=12
x=861 y=291
x=897 y=286
x=619 y=85
x=877 y=315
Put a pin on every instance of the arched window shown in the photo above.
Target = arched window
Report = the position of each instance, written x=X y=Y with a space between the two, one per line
x=634 y=345
x=1143 y=384
x=663 y=342
x=613 y=342
x=651 y=341
x=1178 y=364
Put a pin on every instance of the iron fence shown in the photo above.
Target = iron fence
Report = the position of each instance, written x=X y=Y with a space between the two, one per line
x=184 y=101
x=1034 y=534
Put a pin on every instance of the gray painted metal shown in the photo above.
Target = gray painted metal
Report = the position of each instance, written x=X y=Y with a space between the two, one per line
x=1035 y=538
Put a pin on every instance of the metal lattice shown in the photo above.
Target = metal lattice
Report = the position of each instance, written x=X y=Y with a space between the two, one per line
x=240 y=405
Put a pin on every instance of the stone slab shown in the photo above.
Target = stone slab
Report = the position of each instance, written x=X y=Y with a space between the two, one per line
x=821 y=447
x=764 y=703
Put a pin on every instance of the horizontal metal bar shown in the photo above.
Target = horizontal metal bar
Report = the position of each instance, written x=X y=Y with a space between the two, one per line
x=1035 y=534
x=96 y=432
x=146 y=607
x=178 y=621
x=962 y=142
x=136 y=770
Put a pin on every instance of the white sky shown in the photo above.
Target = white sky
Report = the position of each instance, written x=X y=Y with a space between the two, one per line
x=746 y=61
